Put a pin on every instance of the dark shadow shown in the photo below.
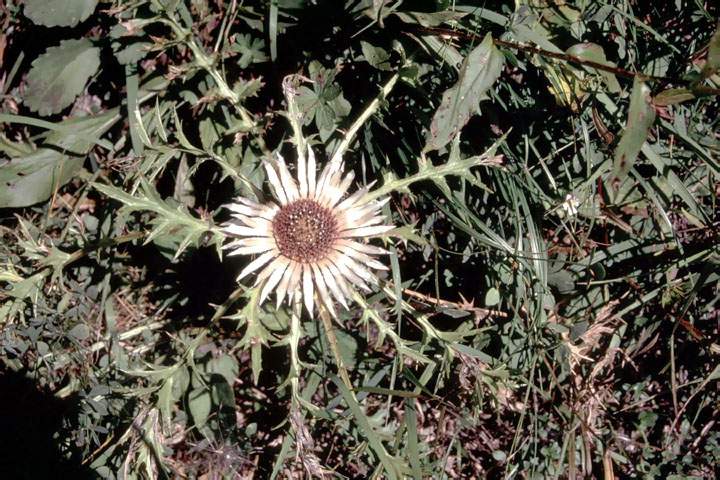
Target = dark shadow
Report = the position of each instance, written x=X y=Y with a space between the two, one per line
x=30 y=420
x=198 y=279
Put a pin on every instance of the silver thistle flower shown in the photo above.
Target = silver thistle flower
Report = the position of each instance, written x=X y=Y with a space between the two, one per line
x=313 y=241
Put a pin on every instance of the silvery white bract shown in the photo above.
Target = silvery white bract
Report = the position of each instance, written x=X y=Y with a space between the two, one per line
x=314 y=239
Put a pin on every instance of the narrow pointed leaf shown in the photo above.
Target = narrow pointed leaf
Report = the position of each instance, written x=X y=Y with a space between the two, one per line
x=641 y=116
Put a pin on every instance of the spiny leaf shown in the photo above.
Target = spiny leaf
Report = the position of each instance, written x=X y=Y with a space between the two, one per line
x=175 y=219
x=427 y=171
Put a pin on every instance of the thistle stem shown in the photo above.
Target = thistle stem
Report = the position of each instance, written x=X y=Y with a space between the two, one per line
x=332 y=339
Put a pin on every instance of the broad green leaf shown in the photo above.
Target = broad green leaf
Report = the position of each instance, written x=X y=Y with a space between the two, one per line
x=63 y=13
x=221 y=391
x=595 y=53
x=348 y=348
x=478 y=72
x=60 y=74
x=210 y=132
x=563 y=280
x=492 y=297
x=376 y=56
x=641 y=116
x=79 y=331
x=226 y=366
x=33 y=178
x=180 y=383
x=14 y=149
x=528 y=28
x=132 y=53
x=199 y=404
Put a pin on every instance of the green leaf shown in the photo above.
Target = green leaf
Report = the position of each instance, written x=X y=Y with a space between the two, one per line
x=348 y=348
x=79 y=332
x=595 y=53
x=247 y=88
x=165 y=401
x=33 y=178
x=673 y=96
x=199 y=404
x=222 y=392
x=412 y=441
x=173 y=222
x=210 y=132
x=376 y=56
x=180 y=383
x=641 y=116
x=712 y=64
x=60 y=75
x=251 y=50
x=325 y=117
x=393 y=466
x=563 y=280
x=226 y=366
x=434 y=19
x=499 y=455
x=477 y=74
x=455 y=165
x=132 y=53
x=63 y=13
x=492 y=297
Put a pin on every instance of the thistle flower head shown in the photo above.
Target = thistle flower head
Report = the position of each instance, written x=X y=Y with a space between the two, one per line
x=313 y=241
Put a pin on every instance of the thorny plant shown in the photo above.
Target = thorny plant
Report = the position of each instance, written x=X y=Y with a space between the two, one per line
x=539 y=300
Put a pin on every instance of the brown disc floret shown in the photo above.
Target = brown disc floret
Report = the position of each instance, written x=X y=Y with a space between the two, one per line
x=304 y=230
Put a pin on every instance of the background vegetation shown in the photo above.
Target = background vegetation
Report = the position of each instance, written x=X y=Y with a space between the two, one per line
x=552 y=310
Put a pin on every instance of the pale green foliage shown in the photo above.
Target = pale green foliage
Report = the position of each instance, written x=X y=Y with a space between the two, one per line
x=480 y=69
x=51 y=13
x=60 y=75
x=551 y=299
x=169 y=220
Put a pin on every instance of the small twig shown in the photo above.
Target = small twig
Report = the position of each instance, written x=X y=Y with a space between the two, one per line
x=467 y=306
x=580 y=61
x=546 y=53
